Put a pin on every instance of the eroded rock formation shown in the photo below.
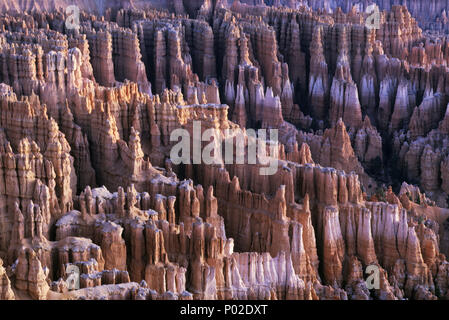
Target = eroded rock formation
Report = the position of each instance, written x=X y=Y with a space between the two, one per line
x=94 y=205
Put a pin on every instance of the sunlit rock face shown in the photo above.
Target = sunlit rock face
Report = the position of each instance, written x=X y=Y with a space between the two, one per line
x=95 y=205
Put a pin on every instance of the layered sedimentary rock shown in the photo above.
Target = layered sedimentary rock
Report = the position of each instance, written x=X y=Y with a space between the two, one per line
x=6 y=292
x=94 y=204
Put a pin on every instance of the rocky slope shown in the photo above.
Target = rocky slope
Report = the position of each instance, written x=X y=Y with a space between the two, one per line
x=88 y=181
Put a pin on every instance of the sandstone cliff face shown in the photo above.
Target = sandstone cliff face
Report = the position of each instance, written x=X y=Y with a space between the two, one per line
x=30 y=276
x=6 y=292
x=97 y=107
